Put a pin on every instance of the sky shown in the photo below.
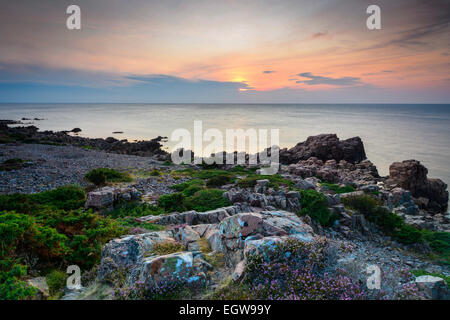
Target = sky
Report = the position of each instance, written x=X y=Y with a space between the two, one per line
x=228 y=51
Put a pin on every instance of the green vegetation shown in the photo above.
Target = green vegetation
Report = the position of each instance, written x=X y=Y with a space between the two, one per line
x=205 y=200
x=275 y=181
x=63 y=198
x=394 y=226
x=53 y=227
x=217 y=259
x=135 y=210
x=315 y=205
x=155 y=173
x=193 y=197
x=12 y=164
x=172 y=202
x=219 y=181
x=204 y=245
x=338 y=189
x=100 y=176
x=11 y=285
x=419 y=273
x=56 y=281
x=164 y=248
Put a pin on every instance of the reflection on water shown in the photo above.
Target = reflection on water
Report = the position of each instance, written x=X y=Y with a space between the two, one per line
x=390 y=132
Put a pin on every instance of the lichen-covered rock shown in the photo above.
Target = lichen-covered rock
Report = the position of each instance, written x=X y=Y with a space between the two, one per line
x=400 y=200
x=433 y=287
x=235 y=232
x=194 y=218
x=181 y=266
x=40 y=283
x=106 y=197
x=127 y=252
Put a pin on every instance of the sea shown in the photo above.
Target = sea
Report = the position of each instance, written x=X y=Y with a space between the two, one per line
x=390 y=132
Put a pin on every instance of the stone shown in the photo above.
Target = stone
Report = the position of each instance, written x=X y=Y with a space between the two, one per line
x=325 y=147
x=106 y=197
x=40 y=283
x=433 y=287
x=238 y=272
x=180 y=265
x=304 y=185
x=412 y=175
x=262 y=185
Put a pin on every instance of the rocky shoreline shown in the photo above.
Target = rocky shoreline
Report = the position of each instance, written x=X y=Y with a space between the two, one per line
x=260 y=219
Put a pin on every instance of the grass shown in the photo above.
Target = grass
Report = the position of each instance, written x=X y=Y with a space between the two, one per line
x=338 y=189
x=275 y=181
x=315 y=205
x=101 y=176
x=394 y=226
x=164 y=248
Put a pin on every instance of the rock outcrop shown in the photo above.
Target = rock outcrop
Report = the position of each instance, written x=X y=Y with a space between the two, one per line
x=133 y=256
x=360 y=174
x=412 y=175
x=325 y=147
x=106 y=197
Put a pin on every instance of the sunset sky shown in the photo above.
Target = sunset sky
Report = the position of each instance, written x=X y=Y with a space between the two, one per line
x=277 y=51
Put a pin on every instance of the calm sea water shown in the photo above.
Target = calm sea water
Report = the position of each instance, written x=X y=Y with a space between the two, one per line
x=389 y=132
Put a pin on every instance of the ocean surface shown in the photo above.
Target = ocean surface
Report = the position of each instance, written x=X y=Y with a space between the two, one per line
x=389 y=132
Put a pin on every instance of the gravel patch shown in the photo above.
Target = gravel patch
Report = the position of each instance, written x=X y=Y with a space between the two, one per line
x=55 y=166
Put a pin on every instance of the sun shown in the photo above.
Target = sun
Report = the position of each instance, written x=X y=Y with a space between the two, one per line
x=239 y=79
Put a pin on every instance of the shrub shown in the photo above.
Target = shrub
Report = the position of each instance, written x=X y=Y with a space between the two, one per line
x=336 y=188
x=67 y=198
x=315 y=205
x=418 y=273
x=389 y=222
x=247 y=182
x=172 y=288
x=190 y=191
x=155 y=173
x=219 y=181
x=56 y=281
x=275 y=181
x=296 y=270
x=11 y=287
x=205 y=200
x=134 y=210
x=172 y=202
x=100 y=176
x=134 y=226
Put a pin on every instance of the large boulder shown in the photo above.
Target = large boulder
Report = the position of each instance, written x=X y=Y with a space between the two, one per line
x=180 y=266
x=412 y=175
x=105 y=198
x=235 y=232
x=325 y=147
x=433 y=287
